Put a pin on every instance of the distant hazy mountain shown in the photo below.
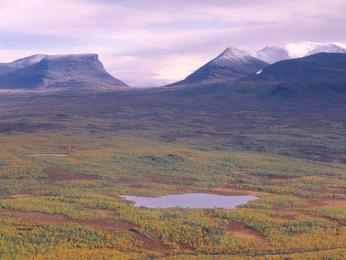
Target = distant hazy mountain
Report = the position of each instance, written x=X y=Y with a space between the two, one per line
x=84 y=71
x=318 y=74
x=231 y=64
x=272 y=54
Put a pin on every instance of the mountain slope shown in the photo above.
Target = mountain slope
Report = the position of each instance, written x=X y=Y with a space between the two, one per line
x=21 y=63
x=57 y=71
x=231 y=64
x=272 y=54
x=322 y=74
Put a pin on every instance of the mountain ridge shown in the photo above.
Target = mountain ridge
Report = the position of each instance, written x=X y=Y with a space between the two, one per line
x=272 y=54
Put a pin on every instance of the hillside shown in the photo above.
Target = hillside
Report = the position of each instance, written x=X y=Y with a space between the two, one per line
x=322 y=74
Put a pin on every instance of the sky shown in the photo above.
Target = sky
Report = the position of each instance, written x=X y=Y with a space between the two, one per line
x=151 y=42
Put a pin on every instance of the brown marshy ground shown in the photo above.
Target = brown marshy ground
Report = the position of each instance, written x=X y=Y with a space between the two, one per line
x=61 y=174
x=107 y=222
x=240 y=230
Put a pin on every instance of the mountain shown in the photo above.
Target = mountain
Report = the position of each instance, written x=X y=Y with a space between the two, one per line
x=321 y=74
x=231 y=64
x=83 y=71
x=272 y=54
x=21 y=63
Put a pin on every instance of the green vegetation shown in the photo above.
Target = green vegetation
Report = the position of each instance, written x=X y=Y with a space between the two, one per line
x=46 y=214
x=65 y=159
x=277 y=202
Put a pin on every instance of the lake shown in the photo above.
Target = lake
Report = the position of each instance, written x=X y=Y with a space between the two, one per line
x=191 y=200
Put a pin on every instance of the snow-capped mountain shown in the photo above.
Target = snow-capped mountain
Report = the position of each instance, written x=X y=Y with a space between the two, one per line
x=232 y=54
x=231 y=64
x=57 y=71
x=272 y=54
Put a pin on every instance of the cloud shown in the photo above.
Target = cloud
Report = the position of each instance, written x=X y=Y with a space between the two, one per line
x=147 y=42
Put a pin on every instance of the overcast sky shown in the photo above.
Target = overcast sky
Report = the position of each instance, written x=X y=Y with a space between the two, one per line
x=153 y=42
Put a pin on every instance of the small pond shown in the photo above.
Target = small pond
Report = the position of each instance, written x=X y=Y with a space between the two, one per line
x=191 y=200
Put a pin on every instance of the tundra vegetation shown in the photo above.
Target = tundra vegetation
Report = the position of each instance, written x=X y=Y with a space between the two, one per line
x=61 y=177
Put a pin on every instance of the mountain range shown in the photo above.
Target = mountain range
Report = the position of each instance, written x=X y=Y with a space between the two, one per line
x=286 y=69
x=233 y=63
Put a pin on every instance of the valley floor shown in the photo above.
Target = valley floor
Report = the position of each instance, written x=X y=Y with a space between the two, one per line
x=63 y=165
x=68 y=207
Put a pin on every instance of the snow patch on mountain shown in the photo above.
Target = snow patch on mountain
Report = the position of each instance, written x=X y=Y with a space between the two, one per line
x=76 y=57
x=21 y=63
x=259 y=72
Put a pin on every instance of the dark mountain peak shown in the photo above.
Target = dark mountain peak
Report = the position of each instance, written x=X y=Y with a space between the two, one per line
x=325 y=56
x=306 y=66
x=318 y=74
